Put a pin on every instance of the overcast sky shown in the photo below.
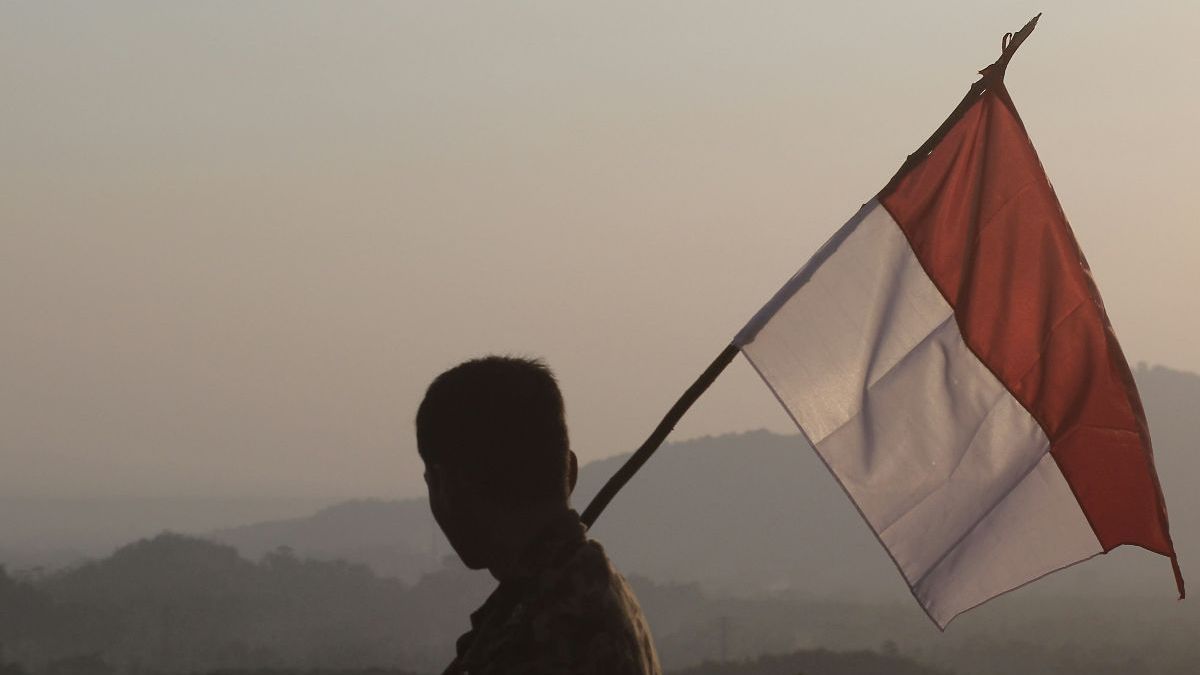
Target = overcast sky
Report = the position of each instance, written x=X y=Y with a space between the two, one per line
x=237 y=240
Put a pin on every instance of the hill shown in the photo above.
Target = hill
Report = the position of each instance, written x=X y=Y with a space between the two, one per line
x=715 y=487
x=176 y=604
x=395 y=538
x=818 y=661
x=180 y=604
x=749 y=513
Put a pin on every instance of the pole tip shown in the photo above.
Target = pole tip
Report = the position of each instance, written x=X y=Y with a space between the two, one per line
x=1008 y=46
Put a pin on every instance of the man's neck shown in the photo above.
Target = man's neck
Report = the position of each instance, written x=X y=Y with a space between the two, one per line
x=514 y=532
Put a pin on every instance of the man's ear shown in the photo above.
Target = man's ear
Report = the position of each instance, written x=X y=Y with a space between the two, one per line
x=572 y=471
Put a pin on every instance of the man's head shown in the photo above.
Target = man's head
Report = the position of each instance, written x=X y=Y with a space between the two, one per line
x=493 y=435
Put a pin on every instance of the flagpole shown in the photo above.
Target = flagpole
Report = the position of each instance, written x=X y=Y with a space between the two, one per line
x=635 y=462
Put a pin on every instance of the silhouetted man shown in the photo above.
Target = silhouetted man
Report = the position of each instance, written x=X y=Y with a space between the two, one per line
x=500 y=471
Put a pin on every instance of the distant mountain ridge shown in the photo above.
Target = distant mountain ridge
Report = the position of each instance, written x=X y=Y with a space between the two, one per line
x=774 y=556
x=778 y=473
x=396 y=538
x=749 y=513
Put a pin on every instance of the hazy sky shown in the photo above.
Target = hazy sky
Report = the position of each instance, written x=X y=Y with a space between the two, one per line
x=238 y=239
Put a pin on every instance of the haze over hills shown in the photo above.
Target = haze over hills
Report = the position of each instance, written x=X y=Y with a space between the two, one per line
x=739 y=513
x=664 y=525
x=54 y=533
x=395 y=538
x=176 y=604
x=753 y=512
x=744 y=533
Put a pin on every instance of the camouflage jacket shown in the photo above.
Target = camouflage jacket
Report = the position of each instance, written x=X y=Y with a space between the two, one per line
x=569 y=611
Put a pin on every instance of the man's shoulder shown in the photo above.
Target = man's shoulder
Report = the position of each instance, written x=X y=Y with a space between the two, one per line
x=574 y=613
x=585 y=613
x=586 y=584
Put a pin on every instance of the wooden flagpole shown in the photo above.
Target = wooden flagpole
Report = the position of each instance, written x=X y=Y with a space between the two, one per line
x=635 y=462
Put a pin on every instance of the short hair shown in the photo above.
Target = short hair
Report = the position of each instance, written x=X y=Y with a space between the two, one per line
x=499 y=420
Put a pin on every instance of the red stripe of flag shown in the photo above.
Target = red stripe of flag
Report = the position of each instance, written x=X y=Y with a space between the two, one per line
x=984 y=222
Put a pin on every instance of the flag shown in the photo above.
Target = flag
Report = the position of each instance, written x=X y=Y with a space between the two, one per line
x=948 y=356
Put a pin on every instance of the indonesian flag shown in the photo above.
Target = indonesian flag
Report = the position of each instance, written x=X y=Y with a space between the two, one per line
x=948 y=356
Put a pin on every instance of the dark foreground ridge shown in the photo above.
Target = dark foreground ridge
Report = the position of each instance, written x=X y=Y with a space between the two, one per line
x=177 y=605
x=806 y=662
x=817 y=662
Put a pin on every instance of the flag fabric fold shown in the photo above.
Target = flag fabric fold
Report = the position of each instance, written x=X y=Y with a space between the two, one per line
x=948 y=356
